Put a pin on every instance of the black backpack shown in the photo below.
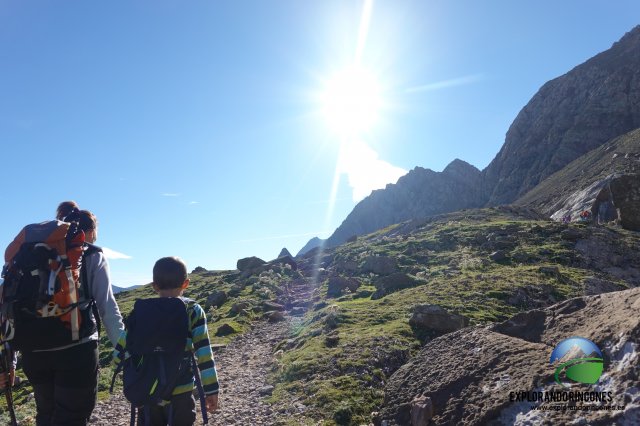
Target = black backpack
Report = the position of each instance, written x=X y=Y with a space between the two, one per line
x=45 y=299
x=156 y=360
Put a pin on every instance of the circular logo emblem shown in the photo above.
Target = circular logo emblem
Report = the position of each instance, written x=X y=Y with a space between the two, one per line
x=577 y=359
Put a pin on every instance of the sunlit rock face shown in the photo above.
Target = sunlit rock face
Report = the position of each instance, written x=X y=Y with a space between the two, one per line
x=568 y=117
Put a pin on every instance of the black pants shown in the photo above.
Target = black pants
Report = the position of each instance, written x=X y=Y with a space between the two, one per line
x=65 y=384
x=182 y=410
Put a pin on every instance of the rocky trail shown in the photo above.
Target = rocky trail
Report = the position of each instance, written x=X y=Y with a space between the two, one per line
x=243 y=370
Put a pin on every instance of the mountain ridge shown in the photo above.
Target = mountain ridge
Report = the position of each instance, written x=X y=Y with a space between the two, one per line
x=569 y=116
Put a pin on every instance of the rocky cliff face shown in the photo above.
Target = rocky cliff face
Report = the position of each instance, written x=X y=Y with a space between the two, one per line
x=568 y=117
x=420 y=193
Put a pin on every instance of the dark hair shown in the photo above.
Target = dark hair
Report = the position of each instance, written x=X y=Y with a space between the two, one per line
x=169 y=273
x=86 y=220
x=65 y=208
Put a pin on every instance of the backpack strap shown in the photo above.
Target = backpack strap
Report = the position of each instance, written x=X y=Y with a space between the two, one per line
x=194 y=365
x=203 y=403
x=84 y=281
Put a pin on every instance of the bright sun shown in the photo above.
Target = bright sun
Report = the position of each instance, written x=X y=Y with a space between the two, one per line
x=351 y=101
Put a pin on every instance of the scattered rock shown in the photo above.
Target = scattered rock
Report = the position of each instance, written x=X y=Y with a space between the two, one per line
x=238 y=307
x=380 y=265
x=332 y=320
x=338 y=284
x=249 y=263
x=421 y=411
x=215 y=347
x=274 y=316
x=217 y=298
x=236 y=290
x=348 y=266
x=225 y=330
x=272 y=306
x=498 y=256
x=436 y=318
x=266 y=390
x=392 y=283
x=297 y=311
x=571 y=234
x=331 y=340
x=549 y=270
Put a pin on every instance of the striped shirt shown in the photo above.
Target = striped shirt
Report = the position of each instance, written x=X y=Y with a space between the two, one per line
x=197 y=343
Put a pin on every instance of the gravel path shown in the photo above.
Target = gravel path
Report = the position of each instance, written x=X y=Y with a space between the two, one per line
x=243 y=368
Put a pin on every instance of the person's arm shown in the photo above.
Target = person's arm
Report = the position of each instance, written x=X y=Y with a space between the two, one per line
x=100 y=284
x=12 y=371
x=204 y=356
x=119 y=349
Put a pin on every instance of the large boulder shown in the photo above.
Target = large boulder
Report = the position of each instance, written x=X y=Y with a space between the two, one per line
x=380 y=265
x=339 y=284
x=473 y=376
x=625 y=191
x=225 y=330
x=217 y=298
x=436 y=318
x=392 y=283
x=249 y=263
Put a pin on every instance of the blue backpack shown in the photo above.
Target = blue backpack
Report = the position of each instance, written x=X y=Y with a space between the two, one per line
x=156 y=360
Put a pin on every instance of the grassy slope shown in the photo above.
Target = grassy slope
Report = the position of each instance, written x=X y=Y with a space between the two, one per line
x=449 y=258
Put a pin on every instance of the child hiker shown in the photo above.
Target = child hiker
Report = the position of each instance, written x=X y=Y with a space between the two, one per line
x=165 y=352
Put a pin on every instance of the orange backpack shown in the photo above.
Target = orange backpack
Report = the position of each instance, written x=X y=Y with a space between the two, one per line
x=44 y=303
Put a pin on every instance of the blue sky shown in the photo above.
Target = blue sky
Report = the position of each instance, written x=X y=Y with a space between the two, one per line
x=198 y=128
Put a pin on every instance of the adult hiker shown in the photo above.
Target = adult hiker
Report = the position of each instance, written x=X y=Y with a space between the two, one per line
x=65 y=208
x=59 y=341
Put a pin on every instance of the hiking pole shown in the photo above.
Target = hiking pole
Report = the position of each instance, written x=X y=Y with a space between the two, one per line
x=7 y=363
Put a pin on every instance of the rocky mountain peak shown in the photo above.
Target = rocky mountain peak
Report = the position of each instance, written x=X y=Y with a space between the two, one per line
x=568 y=117
x=462 y=170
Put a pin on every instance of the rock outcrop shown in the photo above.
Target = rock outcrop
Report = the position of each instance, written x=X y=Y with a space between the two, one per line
x=472 y=376
x=435 y=318
x=560 y=192
x=249 y=263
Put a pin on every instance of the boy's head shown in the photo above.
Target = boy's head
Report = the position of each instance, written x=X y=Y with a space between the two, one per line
x=169 y=273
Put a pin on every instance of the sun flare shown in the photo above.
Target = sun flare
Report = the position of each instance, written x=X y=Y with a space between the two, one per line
x=351 y=101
